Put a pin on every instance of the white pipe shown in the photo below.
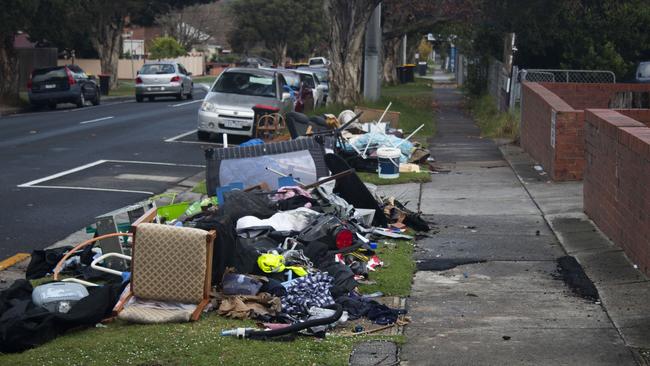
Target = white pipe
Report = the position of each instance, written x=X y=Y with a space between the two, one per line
x=108 y=270
x=385 y=111
x=85 y=283
x=411 y=135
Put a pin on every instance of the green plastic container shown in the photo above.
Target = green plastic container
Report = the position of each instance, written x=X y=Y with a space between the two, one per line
x=172 y=212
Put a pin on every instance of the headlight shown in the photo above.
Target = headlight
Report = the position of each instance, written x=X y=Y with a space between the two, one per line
x=208 y=107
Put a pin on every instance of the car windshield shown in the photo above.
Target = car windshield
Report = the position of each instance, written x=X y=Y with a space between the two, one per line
x=151 y=69
x=293 y=80
x=316 y=61
x=49 y=74
x=644 y=70
x=246 y=84
x=322 y=75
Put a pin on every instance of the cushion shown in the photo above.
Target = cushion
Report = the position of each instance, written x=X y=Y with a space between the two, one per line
x=169 y=263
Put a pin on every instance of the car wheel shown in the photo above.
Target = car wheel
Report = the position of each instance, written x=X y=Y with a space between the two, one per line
x=190 y=95
x=203 y=135
x=51 y=105
x=151 y=98
x=81 y=101
x=97 y=99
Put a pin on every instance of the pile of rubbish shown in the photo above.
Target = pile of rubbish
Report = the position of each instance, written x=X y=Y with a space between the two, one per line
x=365 y=146
x=288 y=254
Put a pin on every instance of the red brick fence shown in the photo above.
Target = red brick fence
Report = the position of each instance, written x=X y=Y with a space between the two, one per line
x=569 y=131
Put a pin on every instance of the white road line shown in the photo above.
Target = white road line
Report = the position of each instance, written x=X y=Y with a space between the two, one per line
x=95 y=163
x=198 y=143
x=153 y=178
x=57 y=175
x=186 y=103
x=171 y=139
x=154 y=163
x=94 y=189
x=96 y=120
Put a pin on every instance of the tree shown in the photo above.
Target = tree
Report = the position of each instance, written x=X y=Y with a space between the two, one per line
x=347 y=28
x=15 y=16
x=191 y=25
x=166 y=47
x=102 y=23
x=280 y=25
x=573 y=34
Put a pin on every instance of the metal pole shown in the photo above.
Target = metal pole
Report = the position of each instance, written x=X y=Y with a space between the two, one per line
x=404 y=40
x=132 y=71
x=371 y=70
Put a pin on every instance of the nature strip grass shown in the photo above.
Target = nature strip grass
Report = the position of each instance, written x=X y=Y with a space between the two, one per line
x=200 y=343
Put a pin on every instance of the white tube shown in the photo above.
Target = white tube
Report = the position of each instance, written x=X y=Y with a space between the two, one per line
x=108 y=270
x=411 y=135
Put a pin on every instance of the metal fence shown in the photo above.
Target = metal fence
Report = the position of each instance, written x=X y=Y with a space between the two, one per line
x=556 y=76
x=568 y=76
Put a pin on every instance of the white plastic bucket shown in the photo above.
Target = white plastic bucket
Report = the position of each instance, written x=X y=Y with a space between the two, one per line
x=388 y=162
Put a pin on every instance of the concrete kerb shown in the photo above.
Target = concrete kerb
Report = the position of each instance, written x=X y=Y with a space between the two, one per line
x=605 y=264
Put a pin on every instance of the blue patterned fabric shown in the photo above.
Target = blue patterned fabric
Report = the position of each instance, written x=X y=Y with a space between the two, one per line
x=307 y=291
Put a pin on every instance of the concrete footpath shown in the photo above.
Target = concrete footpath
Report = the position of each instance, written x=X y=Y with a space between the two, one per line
x=507 y=305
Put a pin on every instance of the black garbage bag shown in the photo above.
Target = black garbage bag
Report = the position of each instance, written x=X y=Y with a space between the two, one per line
x=352 y=189
x=238 y=204
x=25 y=325
x=43 y=261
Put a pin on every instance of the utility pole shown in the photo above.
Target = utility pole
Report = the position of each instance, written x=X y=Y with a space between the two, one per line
x=372 y=51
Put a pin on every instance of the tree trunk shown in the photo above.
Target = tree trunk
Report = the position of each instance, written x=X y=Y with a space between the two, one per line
x=8 y=69
x=391 y=52
x=107 y=43
x=347 y=20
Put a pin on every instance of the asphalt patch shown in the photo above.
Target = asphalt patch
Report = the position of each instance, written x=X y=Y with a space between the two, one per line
x=440 y=264
x=571 y=272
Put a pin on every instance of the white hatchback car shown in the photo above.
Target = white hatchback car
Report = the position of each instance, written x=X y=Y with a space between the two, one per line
x=158 y=79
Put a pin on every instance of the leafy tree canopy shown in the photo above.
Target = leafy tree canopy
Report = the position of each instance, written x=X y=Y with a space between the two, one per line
x=576 y=34
x=166 y=47
x=284 y=27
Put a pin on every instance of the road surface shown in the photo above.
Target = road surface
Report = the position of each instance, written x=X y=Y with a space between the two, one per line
x=63 y=168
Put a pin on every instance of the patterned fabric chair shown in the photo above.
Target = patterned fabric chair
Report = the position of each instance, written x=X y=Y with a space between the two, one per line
x=170 y=264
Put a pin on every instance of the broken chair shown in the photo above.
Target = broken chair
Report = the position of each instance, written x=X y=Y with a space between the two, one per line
x=169 y=264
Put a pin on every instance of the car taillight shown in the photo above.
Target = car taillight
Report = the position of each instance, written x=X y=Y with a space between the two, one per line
x=344 y=238
x=70 y=78
x=138 y=80
x=176 y=79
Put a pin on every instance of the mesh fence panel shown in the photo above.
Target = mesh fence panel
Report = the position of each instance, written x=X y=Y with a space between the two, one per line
x=569 y=76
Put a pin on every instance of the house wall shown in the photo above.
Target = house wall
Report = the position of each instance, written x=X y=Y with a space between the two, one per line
x=617 y=181
x=193 y=64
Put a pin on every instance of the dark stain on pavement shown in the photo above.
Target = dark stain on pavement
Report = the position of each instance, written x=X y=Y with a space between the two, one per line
x=571 y=272
x=440 y=264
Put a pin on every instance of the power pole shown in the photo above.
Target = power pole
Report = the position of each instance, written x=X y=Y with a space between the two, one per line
x=373 y=46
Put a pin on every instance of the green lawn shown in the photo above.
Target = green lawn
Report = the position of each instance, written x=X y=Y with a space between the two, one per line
x=200 y=343
x=124 y=88
x=373 y=178
x=208 y=79
x=414 y=101
x=491 y=121
x=396 y=277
